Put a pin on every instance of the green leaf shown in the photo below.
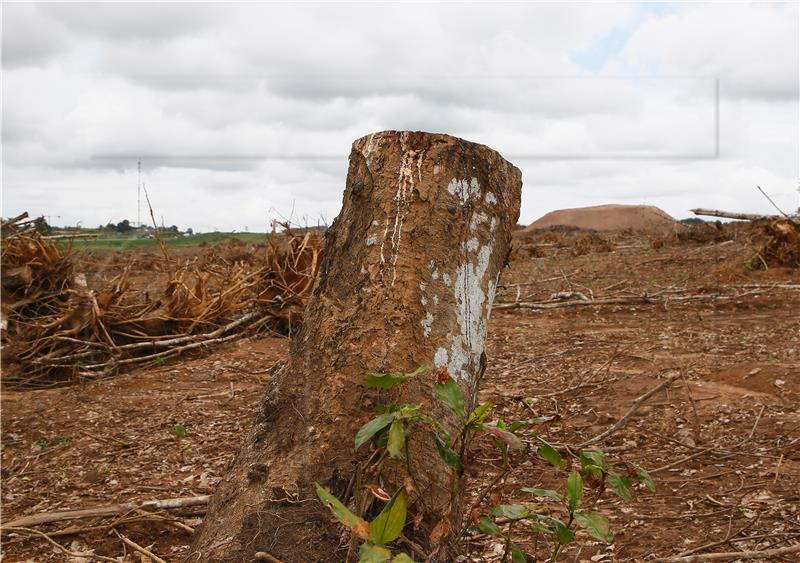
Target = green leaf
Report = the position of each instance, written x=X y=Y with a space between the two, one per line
x=478 y=416
x=591 y=457
x=592 y=471
x=451 y=395
x=517 y=424
x=549 y=453
x=549 y=493
x=446 y=452
x=388 y=525
x=372 y=427
x=505 y=436
x=621 y=485
x=574 y=490
x=541 y=528
x=179 y=431
x=517 y=556
x=593 y=464
x=389 y=380
x=402 y=558
x=596 y=524
x=511 y=511
x=371 y=553
x=564 y=533
x=358 y=525
x=409 y=411
x=488 y=527
x=645 y=479
x=397 y=438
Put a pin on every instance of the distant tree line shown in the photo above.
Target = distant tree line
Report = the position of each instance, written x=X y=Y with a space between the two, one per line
x=125 y=226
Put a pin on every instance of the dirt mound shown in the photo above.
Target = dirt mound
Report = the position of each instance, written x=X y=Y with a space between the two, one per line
x=639 y=218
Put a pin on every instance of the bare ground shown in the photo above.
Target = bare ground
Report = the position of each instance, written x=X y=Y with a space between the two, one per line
x=722 y=440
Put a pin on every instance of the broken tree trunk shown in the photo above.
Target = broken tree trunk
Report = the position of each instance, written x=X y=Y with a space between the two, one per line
x=732 y=215
x=409 y=273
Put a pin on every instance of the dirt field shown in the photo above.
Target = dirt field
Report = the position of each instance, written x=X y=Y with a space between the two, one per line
x=722 y=441
x=638 y=218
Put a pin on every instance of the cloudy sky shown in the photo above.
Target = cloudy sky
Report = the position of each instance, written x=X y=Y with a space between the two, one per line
x=243 y=113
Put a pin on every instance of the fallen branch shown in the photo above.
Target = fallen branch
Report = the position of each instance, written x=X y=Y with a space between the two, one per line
x=47 y=517
x=634 y=407
x=733 y=215
x=730 y=537
x=144 y=551
x=264 y=556
x=156 y=344
x=88 y=556
x=637 y=300
x=734 y=555
x=55 y=324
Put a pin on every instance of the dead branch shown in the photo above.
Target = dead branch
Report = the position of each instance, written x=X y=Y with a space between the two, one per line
x=775 y=205
x=735 y=555
x=636 y=300
x=733 y=215
x=264 y=556
x=61 y=547
x=144 y=551
x=56 y=324
x=634 y=407
x=47 y=517
x=731 y=536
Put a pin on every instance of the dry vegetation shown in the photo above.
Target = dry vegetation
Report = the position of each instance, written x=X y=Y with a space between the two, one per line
x=584 y=324
x=60 y=327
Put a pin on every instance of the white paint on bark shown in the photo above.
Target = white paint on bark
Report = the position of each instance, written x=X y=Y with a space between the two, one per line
x=440 y=358
x=427 y=323
x=464 y=189
x=463 y=355
x=476 y=220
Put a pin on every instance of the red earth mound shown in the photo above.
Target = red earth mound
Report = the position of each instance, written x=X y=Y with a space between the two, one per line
x=638 y=218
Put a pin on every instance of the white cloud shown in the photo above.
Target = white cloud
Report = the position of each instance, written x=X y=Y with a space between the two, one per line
x=211 y=96
x=753 y=49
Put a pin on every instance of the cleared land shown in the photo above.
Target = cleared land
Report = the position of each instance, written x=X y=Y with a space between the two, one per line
x=722 y=440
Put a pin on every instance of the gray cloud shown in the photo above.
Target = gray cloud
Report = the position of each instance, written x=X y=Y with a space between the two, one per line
x=29 y=37
x=240 y=109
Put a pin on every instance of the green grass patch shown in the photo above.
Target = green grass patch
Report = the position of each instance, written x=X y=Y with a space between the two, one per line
x=126 y=243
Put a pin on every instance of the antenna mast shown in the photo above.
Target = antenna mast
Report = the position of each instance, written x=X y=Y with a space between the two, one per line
x=139 y=197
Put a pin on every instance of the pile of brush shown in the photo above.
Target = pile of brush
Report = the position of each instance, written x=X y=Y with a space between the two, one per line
x=56 y=327
x=782 y=248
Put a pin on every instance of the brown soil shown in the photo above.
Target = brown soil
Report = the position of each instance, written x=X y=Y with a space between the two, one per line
x=109 y=441
x=639 y=218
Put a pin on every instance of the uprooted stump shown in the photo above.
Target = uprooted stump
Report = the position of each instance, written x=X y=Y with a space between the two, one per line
x=56 y=328
x=782 y=248
x=409 y=273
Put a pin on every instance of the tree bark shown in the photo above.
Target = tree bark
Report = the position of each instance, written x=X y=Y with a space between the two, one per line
x=409 y=274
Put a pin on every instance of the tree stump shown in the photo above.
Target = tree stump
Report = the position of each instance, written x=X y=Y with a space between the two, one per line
x=408 y=277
